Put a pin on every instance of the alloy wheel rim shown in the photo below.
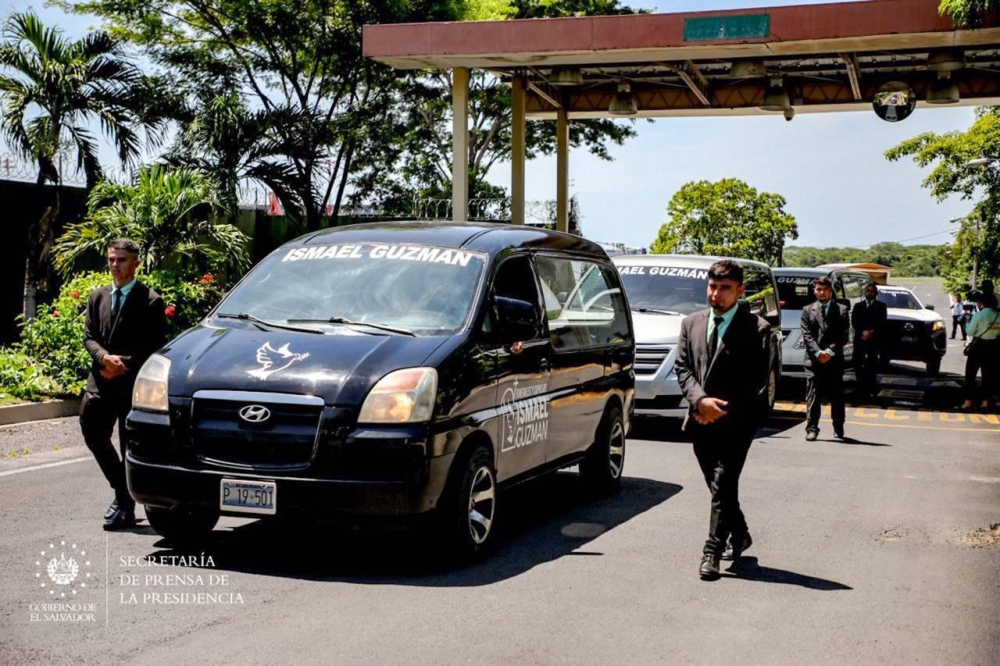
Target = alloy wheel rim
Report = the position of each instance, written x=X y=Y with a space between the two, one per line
x=482 y=505
x=616 y=449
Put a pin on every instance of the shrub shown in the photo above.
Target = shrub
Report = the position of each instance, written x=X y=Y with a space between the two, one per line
x=51 y=344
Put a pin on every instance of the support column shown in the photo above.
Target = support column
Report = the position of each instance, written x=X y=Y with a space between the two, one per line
x=460 y=144
x=517 y=151
x=562 y=171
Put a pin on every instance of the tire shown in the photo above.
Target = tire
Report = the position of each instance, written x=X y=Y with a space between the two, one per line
x=180 y=526
x=467 y=515
x=601 y=470
x=933 y=366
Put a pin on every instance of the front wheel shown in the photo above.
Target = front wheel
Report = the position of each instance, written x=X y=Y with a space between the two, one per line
x=601 y=470
x=187 y=527
x=933 y=366
x=468 y=513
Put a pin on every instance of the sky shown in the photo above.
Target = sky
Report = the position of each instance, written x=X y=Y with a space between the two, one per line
x=829 y=167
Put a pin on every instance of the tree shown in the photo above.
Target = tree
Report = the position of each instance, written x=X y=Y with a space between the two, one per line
x=727 y=218
x=168 y=212
x=413 y=161
x=971 y=13
x=300 y=61
x=978 y=237
x=52 y=90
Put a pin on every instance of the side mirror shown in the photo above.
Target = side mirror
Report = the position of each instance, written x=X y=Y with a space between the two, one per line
x=928 y=307
x=518 y=319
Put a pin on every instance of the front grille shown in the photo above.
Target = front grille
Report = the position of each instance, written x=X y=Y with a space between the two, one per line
x=910 y=329
x=649 y=358
x=285 y=441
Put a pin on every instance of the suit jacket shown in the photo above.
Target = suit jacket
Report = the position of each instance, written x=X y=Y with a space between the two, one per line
x=738 y=372
x=864 y=318
x=137 y=332
x=830 y=332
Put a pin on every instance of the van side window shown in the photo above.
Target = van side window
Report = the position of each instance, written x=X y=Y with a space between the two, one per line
x=854 y=289
x=760 y=292
x=583 y=303
x=515 y=278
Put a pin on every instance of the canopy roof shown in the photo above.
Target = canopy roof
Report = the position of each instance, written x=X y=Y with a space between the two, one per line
x=827 y=57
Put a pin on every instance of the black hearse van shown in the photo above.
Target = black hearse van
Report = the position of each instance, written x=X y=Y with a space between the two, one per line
x=389 y=369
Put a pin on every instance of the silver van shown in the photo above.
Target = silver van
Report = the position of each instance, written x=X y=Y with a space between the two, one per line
x=795 y=291
x=662 y=289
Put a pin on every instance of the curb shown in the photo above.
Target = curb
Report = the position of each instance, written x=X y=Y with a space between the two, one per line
x=38 y=411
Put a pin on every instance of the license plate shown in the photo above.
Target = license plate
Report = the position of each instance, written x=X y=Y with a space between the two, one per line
x=247 y=496
x=909 y=338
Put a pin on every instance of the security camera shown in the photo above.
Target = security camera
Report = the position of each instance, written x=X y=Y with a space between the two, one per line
x=789 y=114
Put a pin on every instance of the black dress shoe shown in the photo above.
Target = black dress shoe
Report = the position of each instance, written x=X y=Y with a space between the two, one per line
x=811 y=435
x=111 y=510
x=709 y=569
x=121 y=519
x=838 y=433
x=733 y=552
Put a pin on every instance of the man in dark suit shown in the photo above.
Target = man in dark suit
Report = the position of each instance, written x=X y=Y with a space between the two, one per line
x=869 y=321
x=723 y=359
x=124 y=326
x=825 y=327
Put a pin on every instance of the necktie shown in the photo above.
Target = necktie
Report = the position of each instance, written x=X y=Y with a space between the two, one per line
x=826 y=310
x=116 y=302
x=714 y=344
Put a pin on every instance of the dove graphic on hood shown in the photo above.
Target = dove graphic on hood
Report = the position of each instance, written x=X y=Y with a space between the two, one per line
x=274 y=360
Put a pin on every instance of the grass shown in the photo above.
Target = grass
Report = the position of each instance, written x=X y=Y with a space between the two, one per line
x=10 y=400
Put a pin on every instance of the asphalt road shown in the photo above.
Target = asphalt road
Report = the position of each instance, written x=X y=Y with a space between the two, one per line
x=868 y=551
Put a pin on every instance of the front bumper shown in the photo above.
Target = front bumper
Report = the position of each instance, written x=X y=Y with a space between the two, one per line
x=343 y=469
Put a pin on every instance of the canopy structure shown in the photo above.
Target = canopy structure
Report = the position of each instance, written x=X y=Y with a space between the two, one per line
x=780 y=60
x=878 y=273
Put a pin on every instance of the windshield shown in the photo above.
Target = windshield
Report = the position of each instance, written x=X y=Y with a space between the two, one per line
x=795 y=291
x=682 y=290
x=426 y=290
x=903 y=300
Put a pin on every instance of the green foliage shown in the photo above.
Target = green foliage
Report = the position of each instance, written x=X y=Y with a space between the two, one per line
x=905 y=260
x=727 y=218
x=978 y=238
x=971 y=13
x=51 y=351
x=168 y=213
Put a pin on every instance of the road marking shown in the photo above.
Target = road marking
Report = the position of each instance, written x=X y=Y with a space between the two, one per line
x=45 y=466
x=895 y=414
x=897 y=425
x=985 y=479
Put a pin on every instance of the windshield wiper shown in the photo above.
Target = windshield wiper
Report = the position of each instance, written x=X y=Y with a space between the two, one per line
x=655 y=311
x=349 y=322
x=261 y=323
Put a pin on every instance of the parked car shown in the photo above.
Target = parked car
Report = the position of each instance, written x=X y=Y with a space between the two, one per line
x=662 y=290
x=390 y=370
x=915 y=331
x=795 y=291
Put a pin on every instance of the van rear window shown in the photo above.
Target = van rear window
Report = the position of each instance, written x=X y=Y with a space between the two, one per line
x=426 y=290
x=795 y=292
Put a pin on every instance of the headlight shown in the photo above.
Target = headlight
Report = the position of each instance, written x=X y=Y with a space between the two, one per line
x=403 y=396
x=150 y=392
x=937 y=326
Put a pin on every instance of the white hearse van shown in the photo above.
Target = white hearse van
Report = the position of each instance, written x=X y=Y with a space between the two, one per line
x=662 y=289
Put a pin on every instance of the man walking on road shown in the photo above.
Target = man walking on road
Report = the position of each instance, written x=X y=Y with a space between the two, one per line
x=825 y=327
x=124 y=327
x=957 y=317
x=869 y=319
x=722 y=365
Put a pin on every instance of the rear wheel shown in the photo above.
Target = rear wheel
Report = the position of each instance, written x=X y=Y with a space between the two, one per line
x=601 y=470
x=182 y=526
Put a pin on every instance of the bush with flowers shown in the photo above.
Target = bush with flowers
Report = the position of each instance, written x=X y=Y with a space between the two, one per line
x=50 y=360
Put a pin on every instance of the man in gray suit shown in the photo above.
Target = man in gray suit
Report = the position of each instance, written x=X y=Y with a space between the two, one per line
x=825 y=329
x=723 y=358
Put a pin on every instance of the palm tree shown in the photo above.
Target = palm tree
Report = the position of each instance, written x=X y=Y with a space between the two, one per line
x=52 y=90
x=168 y=212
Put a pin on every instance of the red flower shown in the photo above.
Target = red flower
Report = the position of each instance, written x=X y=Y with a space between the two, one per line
x=206 y=278
x=170 y=311
x=55 y=313
x=74 y=294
